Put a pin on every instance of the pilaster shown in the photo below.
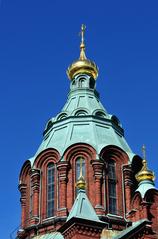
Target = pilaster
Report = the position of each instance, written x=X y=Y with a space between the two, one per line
x=22 y=188
x=62 y=168
x=35 y=187
x=127 y=174
x=98 y=175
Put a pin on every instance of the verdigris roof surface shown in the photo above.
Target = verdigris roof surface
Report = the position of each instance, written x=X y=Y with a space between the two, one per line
x=82 y=208
x=145 y=186
x=52 y=235
x=128 y=233
x=83 y=119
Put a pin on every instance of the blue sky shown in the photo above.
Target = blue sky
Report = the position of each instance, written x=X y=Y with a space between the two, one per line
x=38 y=40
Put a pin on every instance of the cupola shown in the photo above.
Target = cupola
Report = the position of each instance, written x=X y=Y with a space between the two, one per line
x=82 y=65
x=145 y=173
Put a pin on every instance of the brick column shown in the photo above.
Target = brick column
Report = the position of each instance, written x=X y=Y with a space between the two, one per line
x=22 y=188
x=144 y=213
x=98 y=175
x=62 y=170
x=127 y=174
x=35 y=186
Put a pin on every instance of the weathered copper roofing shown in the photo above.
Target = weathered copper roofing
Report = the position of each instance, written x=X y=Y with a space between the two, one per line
x=82 y=208
x=52 y=235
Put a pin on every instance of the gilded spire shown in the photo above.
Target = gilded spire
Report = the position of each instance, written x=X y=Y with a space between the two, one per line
x=144 y=152
x=82 y=45
x=144 y=173
x=81 y=183
x=82 y=65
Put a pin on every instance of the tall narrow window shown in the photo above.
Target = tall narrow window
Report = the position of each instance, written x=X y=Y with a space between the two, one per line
x=112 y=187
x=50 y=190
x=80 y=164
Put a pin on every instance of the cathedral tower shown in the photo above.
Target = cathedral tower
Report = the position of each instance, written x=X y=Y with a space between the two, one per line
x=84 y=181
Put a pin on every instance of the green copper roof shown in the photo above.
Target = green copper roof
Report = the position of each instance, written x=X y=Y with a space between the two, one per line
x=83 y=119
x=52 y=235
x=128 y=233
x=82 y=208
x=145 y=186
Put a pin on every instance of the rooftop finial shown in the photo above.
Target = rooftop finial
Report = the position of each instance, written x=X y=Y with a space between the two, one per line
x=144 y=152
x=82 y=45
x=144 y=158
x=82 y=65
x=81 y=184
x=144 y=173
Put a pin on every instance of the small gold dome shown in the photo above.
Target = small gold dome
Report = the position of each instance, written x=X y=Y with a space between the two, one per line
x=81 y=183
x=82 y=65
x=145 y=173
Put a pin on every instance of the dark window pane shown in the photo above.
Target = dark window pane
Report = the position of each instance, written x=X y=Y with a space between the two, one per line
x=50 y=190
x=112 y=187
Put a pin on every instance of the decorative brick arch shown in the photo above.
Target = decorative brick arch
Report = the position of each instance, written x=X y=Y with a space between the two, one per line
x=24 y=171
x=77 y=149
x=70 y=156
x=45 y=155
x=117 y=153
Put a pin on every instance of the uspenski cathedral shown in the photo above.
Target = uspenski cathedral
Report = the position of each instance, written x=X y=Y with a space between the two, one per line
x=84 y=181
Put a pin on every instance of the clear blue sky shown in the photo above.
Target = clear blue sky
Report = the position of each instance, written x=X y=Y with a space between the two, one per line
x=38 y=40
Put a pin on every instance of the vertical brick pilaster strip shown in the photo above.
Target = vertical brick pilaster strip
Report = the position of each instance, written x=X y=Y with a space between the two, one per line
x=98 y=175
x=22 y=189
x=62 y=168
x=127 y=174
x=145 y=206
x=35 y=184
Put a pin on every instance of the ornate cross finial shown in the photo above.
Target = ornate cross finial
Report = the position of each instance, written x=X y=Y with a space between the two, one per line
x=144 y=158
x=144 y=152
x=144 y=173
x=83 y=28
x=82 y=45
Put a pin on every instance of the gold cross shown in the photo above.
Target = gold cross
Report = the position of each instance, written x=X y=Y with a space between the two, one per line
x=83 y=28
x=144 y=152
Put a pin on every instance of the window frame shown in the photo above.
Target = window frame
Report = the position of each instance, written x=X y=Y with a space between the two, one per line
x=111 y=185
x=50 y=166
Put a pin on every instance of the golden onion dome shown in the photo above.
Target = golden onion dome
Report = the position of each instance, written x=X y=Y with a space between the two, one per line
x=145 y=173
x=82 y=65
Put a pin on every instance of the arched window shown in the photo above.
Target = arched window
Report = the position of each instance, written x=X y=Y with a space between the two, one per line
x=82 y=83
x=50 y=190
x=112 y=187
